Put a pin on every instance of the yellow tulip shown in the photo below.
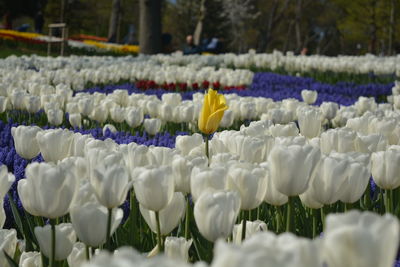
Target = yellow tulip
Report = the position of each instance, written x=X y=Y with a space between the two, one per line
x=212 y=111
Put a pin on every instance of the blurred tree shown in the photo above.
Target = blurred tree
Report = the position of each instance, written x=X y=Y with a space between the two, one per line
x=150 y=26
x=16 y=8
x=368 y=24
x=115 y=19
x=238 y=14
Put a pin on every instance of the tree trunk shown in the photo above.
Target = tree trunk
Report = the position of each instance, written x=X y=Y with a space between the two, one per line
x=391 y=27
x=114 y=19
x=288 y=35
x=150 y=26
x=62 y=12
x=199 y=26
x=273 y=19
x=373 y=29
x=298 y=28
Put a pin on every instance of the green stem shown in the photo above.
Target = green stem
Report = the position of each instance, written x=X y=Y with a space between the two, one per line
x=243 y=229
x=322 y=217
x=159 y=238
x=289 y=215
x=348 y=206
x=207 y=148
x=314 y=222
x=53 y=243
x=133 y=212
x=87 y=252
x=278 y=219
x=187 y=218
x=388 y=200
x=108 y=231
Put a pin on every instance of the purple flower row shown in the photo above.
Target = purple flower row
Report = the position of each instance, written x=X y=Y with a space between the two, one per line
x=16 y=164
x=278 y=87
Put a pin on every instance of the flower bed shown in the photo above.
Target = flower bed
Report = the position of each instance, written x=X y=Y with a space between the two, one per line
x=279 y=176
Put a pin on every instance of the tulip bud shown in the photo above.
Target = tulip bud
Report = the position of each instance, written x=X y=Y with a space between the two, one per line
x=152 y=126
x=272 y=195
x=292 y=166
x=75 y=119
x=47 y=190
x=215 y=213
x=8 y=243
x=65 y=237
x=109 y=127
x=385 y=168
x=203 y=178
x=309 y=96
x=4 y=103
x=54 y=144
x=350 y=237
x=355 y=184
x=134 y=117
x=284 y=130
x=32 y=104
x=6 y=180
x=328 y=179
x=99 y=114
x=154 y=187
x=177 y=248
x=185 y=143
x=77 y=257
x=90 y=222
x=117 y=114
x=30 y=259
x=25 y=141
x=250 y=182
x=310 y=121
x=251 y=229
x=55 y=116
x=212 y=112
x=182 y=168
x=329 y=109
x=170 y=216
x=110 y=183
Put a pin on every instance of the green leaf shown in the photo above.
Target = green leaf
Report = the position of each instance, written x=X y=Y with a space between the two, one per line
x=10 y=260
x=17 y=217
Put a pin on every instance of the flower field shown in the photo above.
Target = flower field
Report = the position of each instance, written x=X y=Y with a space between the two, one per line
x=200 y=161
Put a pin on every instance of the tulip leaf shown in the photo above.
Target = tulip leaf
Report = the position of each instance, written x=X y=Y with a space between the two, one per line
x=10 y=260
x=16 y=214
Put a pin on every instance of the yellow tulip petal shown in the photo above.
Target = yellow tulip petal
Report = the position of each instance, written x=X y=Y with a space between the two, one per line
x=214 y=120
x=204 y=114
x=222 y=99
x=212 y=98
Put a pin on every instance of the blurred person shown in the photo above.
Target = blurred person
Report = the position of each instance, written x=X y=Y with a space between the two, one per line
x=166 y=43
x=7 y=21
x=190 y=48
x=39 y=22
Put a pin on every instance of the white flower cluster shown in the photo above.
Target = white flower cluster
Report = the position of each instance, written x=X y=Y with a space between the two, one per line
x=290 y=62
x=79 y=71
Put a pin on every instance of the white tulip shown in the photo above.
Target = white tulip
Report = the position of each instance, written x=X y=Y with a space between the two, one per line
x=8 y=244
x=177 y=248
x=25 y=141
x=350 y=237
x=154 y=187
x=215 y=213
x=251 y=229
x=152 y=126
x=54 y=144
x=65 y=238
x=170 y=216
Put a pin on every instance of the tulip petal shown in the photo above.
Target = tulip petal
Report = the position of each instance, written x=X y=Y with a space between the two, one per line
x=204 y=114
x=214 y=119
